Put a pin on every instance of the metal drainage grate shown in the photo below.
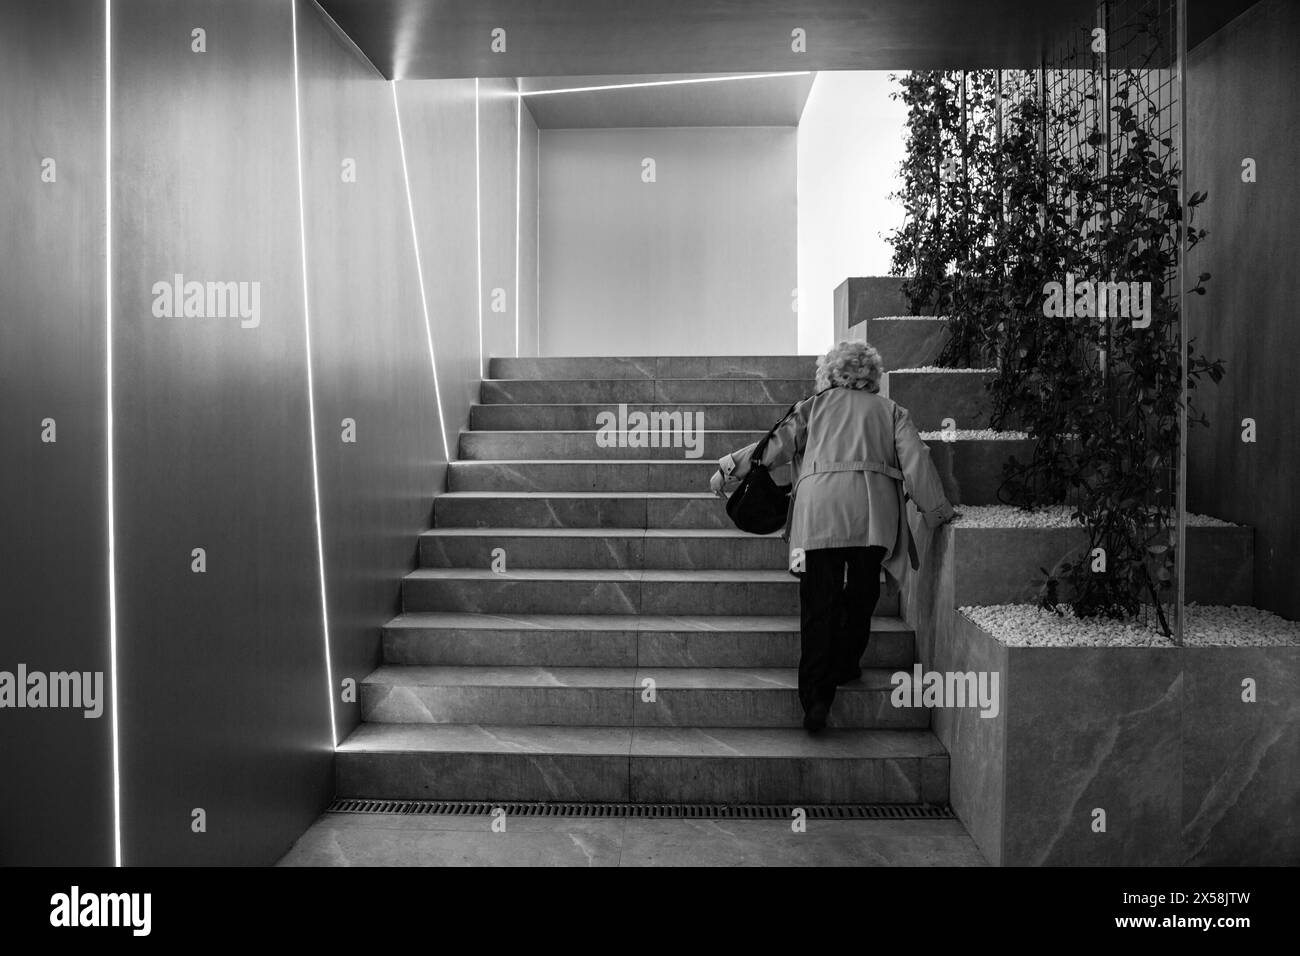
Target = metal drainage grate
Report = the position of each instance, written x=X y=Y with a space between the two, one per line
x=661 y=811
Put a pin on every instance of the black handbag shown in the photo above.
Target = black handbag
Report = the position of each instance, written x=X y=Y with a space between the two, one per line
x=759 y=505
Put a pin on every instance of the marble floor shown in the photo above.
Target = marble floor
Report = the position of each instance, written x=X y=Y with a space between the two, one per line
x=350 y=839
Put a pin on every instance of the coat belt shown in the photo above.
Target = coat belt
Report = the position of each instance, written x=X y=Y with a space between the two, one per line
x=818 y=467
x=824 y=467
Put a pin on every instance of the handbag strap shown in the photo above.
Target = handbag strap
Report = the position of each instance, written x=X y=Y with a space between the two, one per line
x=761 y=447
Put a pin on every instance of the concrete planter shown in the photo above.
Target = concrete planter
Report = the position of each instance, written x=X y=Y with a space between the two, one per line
x=999 y=565
x=1157 y=738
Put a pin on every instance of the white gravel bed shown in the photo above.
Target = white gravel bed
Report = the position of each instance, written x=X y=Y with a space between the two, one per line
x=974 y=434
x=1027 y=625
x=1052 y=516
x=1212 y=625
x=940 y=368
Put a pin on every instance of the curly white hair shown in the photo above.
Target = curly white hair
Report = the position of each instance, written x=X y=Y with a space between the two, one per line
x=851 y=365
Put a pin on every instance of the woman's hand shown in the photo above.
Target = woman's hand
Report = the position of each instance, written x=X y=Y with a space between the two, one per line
x=716 y=483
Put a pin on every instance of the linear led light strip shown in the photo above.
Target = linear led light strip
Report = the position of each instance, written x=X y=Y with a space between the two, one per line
x=519 y=136
x=311 y=390
x=478 y=230
x=629 y=86
x=419 y=271
x=108 y=396
x=537 y=312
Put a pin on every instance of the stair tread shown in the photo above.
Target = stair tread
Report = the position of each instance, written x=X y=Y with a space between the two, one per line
x=574 y=494
x=642 y=462
x=497 y=432
x=621 y=678
x=603 y=574
x=610 y=622
x=735 y=533
x=632 y=405
x=716 y=742
x=660 y=378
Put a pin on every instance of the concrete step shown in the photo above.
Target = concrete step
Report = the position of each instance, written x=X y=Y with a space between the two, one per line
x=601 y=548
x=550 y=391
x=907 y=341
x=541 y=474
x=657 y=417
x=583 y=444
x=608 y=591
x=452 y=639
x=642 y=764
x=654 y=367
x=615 y=509
x=621 y=696
x=933 y=397
x=971 y=469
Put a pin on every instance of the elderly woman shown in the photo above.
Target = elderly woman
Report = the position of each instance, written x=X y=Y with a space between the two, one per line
x=856 y=458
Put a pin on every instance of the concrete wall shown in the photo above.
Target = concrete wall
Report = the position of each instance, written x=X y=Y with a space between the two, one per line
x=529 y=273
x=498 y=105
x=702 y=261
x=850 y=146
x=438 y=122
x=1243 y=97
x=223 y=694
x=370 y=354
x=55 y=767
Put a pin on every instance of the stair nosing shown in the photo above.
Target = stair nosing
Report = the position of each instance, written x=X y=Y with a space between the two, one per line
x=863 y=738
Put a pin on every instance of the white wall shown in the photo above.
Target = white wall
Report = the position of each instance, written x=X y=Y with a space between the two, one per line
x=850 y=147
x=701 y=262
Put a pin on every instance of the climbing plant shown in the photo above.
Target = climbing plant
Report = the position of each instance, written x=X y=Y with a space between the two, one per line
x=1051 y=183
x=921 y=244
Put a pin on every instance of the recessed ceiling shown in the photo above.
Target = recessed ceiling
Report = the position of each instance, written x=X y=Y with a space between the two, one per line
x=697 y=99
x=426 y=39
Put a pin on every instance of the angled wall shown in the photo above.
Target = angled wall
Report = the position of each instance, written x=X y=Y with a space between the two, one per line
x=378 y=426
x=438 y=126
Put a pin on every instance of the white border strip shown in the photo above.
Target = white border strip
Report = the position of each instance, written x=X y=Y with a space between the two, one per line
x=519 y=136
x=311 y=390
x=419 y=272
x=108 y=401
x=537 y=296
x=632 y=86
x=478 y=230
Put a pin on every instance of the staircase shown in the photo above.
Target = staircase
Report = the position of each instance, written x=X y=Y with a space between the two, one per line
x=635 y=647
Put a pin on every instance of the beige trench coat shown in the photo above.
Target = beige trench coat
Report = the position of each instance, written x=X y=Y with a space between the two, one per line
x=856 y=458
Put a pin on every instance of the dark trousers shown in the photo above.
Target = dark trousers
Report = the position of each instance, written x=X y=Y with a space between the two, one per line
x=838 y=591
